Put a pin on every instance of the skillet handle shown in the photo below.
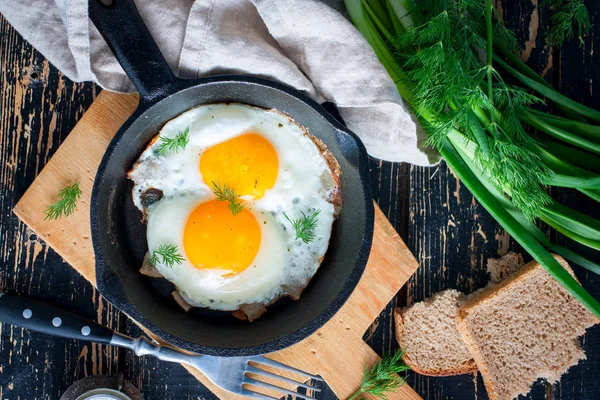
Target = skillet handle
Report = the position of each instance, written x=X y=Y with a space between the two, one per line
x=123 y=29
x=44 y=318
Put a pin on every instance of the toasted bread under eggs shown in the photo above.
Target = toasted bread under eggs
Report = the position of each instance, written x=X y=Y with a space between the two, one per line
x=331 y=181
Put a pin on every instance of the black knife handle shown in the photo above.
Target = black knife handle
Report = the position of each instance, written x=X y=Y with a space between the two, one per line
x=41 y=317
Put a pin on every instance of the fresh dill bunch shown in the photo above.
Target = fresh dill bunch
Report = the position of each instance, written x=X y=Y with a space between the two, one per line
x=305 y=226
x=445 y=68
x=167 y=254
x=66 y=204
x=568 y=16
x=445 y=77
x=228 y=194
x=383 y=376
x=169 y=145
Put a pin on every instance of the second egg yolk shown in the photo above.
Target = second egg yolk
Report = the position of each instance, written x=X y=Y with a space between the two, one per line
x=247 y=163
x=215 y=238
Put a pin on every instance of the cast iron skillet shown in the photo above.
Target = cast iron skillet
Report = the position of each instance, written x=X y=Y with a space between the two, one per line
x=119 y=237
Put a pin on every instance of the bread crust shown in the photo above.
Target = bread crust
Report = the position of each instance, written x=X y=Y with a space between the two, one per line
x=181 y=301
x=148 y=269
x=468 y=368
x=485 y=297
x=335 y=195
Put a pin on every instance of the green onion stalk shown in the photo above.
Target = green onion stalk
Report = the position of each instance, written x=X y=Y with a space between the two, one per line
x=447 y=65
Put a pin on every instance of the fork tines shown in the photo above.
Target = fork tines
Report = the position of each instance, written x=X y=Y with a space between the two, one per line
x=271 y=363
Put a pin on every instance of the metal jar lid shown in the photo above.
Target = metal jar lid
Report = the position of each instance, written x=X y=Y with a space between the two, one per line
x=103 y=394
x=102 y=387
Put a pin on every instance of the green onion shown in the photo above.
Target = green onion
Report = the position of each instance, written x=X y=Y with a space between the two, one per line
x=550 y=93
x=561 y=134
x=574 y=181
x=592 y=132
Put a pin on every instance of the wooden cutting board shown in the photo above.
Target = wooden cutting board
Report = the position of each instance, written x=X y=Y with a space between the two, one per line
x=336 y=352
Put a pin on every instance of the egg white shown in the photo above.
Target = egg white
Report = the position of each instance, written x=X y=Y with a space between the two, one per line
x=282 y=259
x=209 y=287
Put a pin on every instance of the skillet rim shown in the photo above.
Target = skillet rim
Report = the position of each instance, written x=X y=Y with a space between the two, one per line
x=117 y=297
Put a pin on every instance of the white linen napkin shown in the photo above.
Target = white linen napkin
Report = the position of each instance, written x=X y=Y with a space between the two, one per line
x=306 y=44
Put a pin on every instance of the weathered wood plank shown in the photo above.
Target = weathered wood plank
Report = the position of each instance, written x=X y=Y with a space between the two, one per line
x=450 y=235
x=38 y=107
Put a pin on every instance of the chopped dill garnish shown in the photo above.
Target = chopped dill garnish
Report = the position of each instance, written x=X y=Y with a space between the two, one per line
x=383 y=376
x=305 y=226
x=66 y=205
x=228 y=194
x=173 y=145
x=167 y=254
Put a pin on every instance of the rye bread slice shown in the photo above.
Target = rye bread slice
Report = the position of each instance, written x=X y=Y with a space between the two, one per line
x=525 y=328
x=427 y=330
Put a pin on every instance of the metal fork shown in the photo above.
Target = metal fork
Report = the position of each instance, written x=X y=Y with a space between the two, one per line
x=229 y=373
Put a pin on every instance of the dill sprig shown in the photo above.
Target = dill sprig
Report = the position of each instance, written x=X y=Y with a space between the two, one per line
x=305 y=226
x=169 y=145
x=228 y=194
x=568 y=16
x=66 y=205
x=383 y=376
x=167 y=254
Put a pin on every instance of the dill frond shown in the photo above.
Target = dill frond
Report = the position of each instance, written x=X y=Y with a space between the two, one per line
x=518 y=171
x=383 y=376
x=154 y=259
x=305 y=226
x=167 y=254
x=505 y=36
x=169 y=145
x=66 y=204
x=569 y=16
x=228 y=194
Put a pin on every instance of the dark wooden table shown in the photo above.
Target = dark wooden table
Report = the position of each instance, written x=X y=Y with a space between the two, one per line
x=449 y=233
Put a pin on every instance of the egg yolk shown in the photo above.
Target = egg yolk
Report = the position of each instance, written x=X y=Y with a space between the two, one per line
x=215 y=238
x=246 y=163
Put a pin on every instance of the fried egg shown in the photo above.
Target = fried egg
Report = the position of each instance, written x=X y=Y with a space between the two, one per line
x=278 y=173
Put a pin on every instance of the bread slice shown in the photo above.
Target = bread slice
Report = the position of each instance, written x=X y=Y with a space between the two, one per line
x=525 y=328
x=427 y=331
